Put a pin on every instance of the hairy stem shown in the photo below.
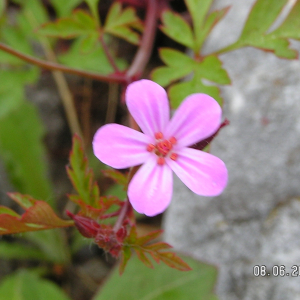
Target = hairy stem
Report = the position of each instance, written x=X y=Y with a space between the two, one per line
x=122 y=216
x=108 y=55
x=142 y=56
x=119 y=78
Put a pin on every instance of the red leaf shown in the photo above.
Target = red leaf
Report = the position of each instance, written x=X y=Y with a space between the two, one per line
x=39 y=216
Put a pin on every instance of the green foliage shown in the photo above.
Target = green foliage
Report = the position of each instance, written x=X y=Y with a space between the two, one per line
x=22 y=151
x=179 y=65
x=81 y=175
x=2 y=7
x=120 y=23
x=144 y=250
x=27 y=285
x=78 y=24
x=93 y=60
x=260 y=19
x=64 y=8
x=177 y=29
x=162 y=283
x=20 y=251
x=93 y=5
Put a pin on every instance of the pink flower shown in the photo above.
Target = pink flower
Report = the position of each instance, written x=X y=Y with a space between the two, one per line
x=163 y=147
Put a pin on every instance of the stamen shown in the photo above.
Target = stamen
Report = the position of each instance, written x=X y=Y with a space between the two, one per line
x=174 y=156
x=160 y=161
x=159 y=135
x=150 y=147
x=173 y=140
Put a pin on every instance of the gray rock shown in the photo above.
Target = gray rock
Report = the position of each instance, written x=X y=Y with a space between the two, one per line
x=256 y=220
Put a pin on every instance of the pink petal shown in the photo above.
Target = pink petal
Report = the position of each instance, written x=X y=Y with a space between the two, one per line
x=203 y=173
x=121 y=147
x=148 y=104
x=150 y=190
x=197 y=118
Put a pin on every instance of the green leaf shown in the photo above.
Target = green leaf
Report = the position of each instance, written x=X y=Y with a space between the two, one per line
x=207 y=26
x=178 y=66
x=198 y=10
x=23 y=153
x=175 y=27
x=178 y=92
x=255 y=32
x=120 y=23
x=95 y=60
x=81 y=175
x=26 y=285
x=80 y=23
x=211 y=69
x=64 y=8
x=20 y=251
x=290 y=28
x=162 y=282
x=2 y=7
x=93 y=5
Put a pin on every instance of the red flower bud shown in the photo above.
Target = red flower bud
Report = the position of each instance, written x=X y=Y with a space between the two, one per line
x=86 y=226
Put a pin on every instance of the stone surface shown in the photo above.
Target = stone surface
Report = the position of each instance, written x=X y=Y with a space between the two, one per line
x=256 y=220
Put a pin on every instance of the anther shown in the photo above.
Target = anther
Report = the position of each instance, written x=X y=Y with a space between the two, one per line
x=174 y=156
x=160 y=161
x=159 y=135
x=173 y=140
x=150 y=147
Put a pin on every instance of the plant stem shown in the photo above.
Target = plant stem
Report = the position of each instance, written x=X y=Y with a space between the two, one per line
x=122 y=216
x=119 y=78
x=108 y=55
x=142 y=56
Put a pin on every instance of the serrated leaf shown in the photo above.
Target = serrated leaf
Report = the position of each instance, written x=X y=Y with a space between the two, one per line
x=117 y=176
x=79 y=24
x=175 y=27
x=93 y=5
x=23 y=153
x=81 y=175
x=26 y=285
x=120 y=23
x=255 y=32
x=64 y=8
x=38 y=216
x=95 y=60
x=211 y=69
x=8 y=211
x=290 y=28
x=178 y=66
x=162 y=282
x=209 y=23
x=179 y=91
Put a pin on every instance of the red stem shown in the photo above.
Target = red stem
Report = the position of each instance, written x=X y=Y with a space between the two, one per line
x=142 y=56
x=122 y=216
x=118 y=78
x=108 y=55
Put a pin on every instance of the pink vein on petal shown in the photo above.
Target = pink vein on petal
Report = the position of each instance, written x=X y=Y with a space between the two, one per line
x=150 y=190
x=198 y=117
x=203 y=173
x=148 y=104
x=120 y=147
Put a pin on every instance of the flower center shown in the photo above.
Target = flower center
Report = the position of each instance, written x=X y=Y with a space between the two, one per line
x=163 y=148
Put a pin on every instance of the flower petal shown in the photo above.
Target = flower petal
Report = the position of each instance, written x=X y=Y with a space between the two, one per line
x=150 y=190
x=148 y=104
x=121 y=147
x=197 y=118
x=203 y=173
